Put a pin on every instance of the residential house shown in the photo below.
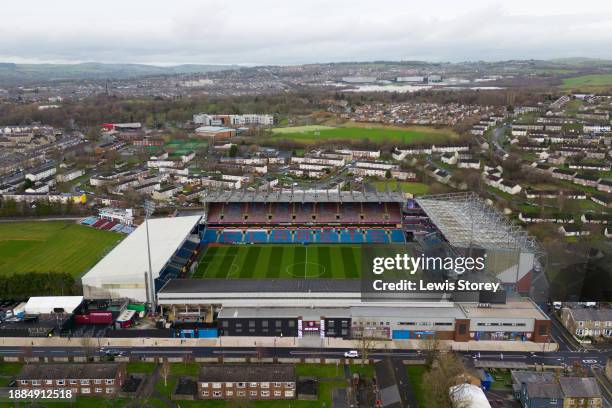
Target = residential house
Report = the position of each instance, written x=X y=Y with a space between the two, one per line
x=601 y=199
x=580 y=392
x=573 y=231
x=583 y=321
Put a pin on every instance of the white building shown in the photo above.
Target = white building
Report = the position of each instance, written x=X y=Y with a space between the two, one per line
x=121 y=215
x=41 y=172
x=121 y=273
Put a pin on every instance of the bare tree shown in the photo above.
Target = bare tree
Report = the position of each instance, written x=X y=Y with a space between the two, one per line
x=432 y=349
x=164 y=371
x=366 y=344
x=447 y=371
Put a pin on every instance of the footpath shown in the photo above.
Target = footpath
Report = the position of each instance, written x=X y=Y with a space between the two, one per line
x=271 y=342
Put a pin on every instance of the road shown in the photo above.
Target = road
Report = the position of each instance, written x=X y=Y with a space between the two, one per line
x=587 y=358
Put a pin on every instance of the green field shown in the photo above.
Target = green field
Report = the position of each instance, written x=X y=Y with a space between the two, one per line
x=180 y=147
x=595 y=80
x=417 y=189
x=52 y=246
x=377 y=134
x=280 y=261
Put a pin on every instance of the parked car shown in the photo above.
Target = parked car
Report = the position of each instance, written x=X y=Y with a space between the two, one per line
x=351 y=354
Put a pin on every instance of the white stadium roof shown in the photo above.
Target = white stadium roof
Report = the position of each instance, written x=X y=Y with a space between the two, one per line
x=124 y=266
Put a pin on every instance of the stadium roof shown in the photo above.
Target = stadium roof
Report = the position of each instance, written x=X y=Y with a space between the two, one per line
x=261 y=285
x=303 y=196
x=467 y=221
x=127 y=262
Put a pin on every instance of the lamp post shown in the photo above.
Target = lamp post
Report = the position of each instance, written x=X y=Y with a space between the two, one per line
x=149 y=207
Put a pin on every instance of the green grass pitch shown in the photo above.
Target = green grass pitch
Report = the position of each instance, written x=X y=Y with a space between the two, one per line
x=52 y=246
x=280 y=261
x=376 y=134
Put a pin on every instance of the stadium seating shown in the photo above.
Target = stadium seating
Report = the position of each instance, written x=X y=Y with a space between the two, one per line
x=303 y=236
x=89 y=220
x=214 y=213
x=256 y=236
x=350 y=213
x=397 y=236
x=376 y=236
x=303 y=212
x=351 y=236
x=325 y=236
x=258 y=213
x=281 y=236
x=209 y=236
x=281 y=212
x=326 y=212
x=231 y=236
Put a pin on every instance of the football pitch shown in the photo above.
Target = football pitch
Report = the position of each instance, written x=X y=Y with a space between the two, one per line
x=280 y=261
x=52 y=246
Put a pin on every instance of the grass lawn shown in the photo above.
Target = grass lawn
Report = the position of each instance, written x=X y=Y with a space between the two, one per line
x=502 y=380
x=366 y=370
x=319 y=370
x=417 y=189
x=595 y=80
x=140 y=367
x=52 y=246
x=377 y=134
x=185 y=370
x=280 y=261
x=415 y=375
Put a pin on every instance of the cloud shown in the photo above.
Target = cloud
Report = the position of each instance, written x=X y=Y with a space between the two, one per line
x=288 y=32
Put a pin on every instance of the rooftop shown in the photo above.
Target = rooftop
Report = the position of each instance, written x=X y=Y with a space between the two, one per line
x=524 y=309
x=68 y=371
x=260 y=285
x=247 y=373
x=467 y=221
x=127 y=262
x=302 y=196
x=579 y=387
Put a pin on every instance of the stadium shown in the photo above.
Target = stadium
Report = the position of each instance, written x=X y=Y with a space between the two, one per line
x=293 y=259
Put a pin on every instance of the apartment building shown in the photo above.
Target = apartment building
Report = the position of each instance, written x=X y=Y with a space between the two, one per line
x=245 y=381
x=583 y=321
x=95 y=379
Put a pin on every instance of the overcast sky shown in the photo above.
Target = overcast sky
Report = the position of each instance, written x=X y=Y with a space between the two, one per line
x=304 y=31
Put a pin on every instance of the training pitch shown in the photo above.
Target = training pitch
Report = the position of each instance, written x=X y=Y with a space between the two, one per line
x=280 y=261
x=52 y=246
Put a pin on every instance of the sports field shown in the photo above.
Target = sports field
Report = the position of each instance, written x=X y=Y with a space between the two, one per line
x=52 y=246
x=585 y=81
x=411 y=187
x=280 y=261
x=376 y=134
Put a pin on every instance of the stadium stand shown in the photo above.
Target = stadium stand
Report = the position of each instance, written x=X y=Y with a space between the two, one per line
x=326 y=236
x=231 y=237
x=209 y=236
x=376 y=236
x=351 y=236
x=398 y=236
x=89 y=220
x=256 y=236
x=281 y=236
x=303 y=236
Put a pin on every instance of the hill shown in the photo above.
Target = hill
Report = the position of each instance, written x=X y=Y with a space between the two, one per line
x=22 y=74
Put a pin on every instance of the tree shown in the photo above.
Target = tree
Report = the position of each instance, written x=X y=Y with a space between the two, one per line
x=233 y=151
x=366 y=344
x=447 y=371
x=432 y=349
x=388 y=174
x=165 y=371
